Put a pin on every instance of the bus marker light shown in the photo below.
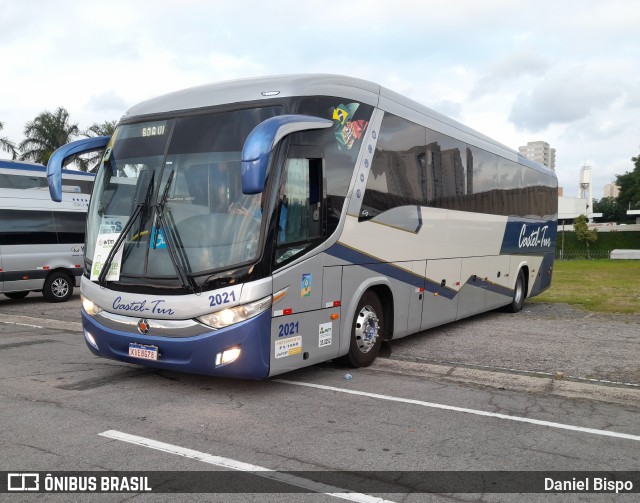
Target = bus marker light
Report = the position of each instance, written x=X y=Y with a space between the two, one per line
x=287 y=311
x=25 y=277
x=334 y=316
x=280 y=295
x=335 y=303
x=436 y=294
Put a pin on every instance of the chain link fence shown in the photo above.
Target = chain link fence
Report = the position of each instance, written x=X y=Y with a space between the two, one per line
x=581 y=254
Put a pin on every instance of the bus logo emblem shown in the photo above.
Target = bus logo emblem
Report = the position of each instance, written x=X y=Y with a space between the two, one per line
x=143 y=326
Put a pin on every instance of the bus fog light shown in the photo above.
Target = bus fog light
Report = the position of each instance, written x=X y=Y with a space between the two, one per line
x=90 y=308
x=90 y=339
x=228 y=356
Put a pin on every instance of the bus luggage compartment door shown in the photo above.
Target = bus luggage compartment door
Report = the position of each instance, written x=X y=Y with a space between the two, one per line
x=303 y=331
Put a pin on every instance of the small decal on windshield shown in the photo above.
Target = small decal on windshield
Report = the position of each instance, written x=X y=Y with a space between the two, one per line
x=157 y=241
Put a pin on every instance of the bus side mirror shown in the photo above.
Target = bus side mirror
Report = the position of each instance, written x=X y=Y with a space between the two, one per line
x=261 y=141
x=56 y=161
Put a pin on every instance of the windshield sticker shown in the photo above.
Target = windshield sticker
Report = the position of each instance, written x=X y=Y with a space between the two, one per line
x=305 y=290
x=288 y=347
x=346 y=130
x=157 y=239
x=104 y=244
x=112 y=224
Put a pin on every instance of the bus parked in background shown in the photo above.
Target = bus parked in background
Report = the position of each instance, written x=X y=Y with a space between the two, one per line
x=253 y=227
x=41 y=242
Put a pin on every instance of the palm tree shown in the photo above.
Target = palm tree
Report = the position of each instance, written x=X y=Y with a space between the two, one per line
x=93 y=159
x=7 y=145
x=47 y=132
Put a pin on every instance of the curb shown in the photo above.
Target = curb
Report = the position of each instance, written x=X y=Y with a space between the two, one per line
x=511 y=381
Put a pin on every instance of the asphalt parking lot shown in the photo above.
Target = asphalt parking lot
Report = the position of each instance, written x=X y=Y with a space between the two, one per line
x=543 y=341
x=550 y=388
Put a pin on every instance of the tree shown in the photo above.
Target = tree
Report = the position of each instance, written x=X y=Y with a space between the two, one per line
x=47 y=132
x=7 y=145
x=583 y=233
x=629 y=183
x=611 y=210
x=91 y=161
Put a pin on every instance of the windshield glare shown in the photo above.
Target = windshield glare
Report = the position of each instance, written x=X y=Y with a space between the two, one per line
x=212 y=224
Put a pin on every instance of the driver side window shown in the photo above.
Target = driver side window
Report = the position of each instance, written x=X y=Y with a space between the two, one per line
x=301 y=208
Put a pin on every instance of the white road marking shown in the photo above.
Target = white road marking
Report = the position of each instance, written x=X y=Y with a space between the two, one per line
x=20 y=324
x=232 y=464
x=538 y=422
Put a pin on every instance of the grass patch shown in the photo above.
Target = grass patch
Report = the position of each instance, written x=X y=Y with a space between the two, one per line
x=603 y=286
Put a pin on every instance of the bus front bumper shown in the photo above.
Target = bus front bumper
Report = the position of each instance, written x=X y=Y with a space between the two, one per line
x=197 y=354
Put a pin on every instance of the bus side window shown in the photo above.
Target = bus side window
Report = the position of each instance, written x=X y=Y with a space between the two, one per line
x=300 y=215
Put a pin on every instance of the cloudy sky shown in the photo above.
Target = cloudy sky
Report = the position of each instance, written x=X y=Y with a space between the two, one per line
x=563 y=71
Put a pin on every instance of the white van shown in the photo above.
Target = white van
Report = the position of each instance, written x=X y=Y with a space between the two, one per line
x=41 y=241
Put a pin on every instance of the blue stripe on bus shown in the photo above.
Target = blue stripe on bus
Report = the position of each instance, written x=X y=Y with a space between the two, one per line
x=356 y=257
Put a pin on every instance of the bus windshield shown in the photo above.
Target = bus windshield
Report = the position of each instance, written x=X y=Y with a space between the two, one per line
x=186 y=174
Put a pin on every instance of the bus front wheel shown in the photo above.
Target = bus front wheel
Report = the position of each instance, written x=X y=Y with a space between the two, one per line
x=58 y=287
x=367 y=331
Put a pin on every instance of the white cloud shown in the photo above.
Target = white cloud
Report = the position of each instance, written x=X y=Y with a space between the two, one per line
x=570 y=77
x=564 y=96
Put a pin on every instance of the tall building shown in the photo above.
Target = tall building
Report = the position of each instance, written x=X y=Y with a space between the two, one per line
x=540 y=152
x=611 y=190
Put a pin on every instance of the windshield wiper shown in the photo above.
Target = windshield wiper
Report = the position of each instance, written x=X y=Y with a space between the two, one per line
x=142 y=206
x=185 y=278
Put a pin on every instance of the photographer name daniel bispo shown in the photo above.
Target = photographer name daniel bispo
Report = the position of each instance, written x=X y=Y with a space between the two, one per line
x=588 y=485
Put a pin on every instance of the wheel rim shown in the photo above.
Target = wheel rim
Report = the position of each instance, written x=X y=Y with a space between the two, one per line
x=60 y=288
x=367 y=329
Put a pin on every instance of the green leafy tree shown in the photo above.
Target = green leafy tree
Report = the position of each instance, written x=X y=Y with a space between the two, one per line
x=629 y=183
x=47 y=132
x=7 y=145
x=583 y=233
x=91 y=161
x=611 y=210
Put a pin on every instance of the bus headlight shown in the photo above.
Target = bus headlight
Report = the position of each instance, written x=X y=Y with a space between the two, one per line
x=91 y=308
x=231 y=315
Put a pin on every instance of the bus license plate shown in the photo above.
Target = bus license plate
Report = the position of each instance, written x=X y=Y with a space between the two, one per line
x=143 y=352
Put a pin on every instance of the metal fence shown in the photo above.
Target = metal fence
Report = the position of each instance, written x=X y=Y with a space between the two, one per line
x=581 y=254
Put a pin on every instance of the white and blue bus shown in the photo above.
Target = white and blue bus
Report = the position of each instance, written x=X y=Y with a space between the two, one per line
x=253 y=227
x=41 y=242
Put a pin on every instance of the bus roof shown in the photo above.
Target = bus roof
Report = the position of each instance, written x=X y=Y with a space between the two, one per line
x=38 y=168
x=265 y=88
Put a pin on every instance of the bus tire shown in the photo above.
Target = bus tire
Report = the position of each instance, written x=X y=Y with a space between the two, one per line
x=519 y=294
x=17 y=295
x=58 y=287
x=367 y=331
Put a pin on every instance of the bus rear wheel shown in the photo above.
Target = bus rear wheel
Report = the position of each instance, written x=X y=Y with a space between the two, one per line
x=58 y=287
x=367 y=331
x=518 y=294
